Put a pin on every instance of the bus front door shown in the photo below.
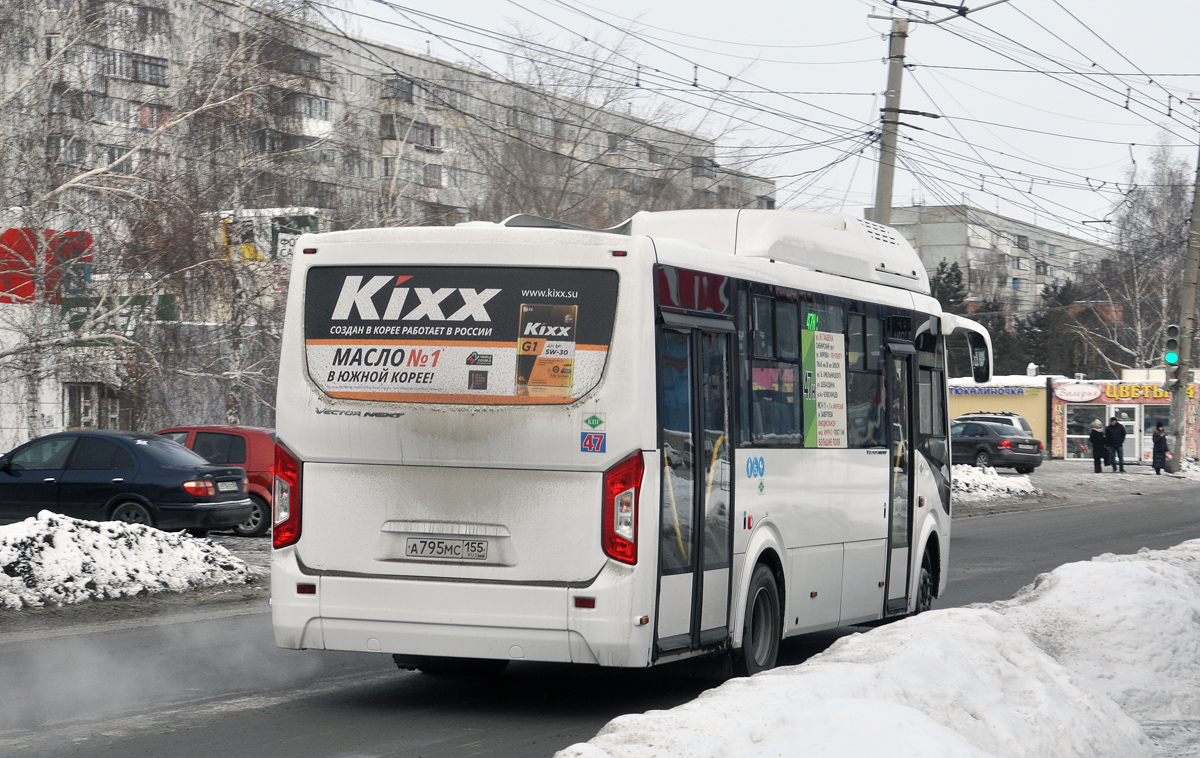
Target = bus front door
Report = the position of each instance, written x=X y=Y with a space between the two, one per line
x=900 y=512
x=695 y=527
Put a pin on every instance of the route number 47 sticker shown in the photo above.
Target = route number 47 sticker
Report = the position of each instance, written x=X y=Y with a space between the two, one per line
x=592 y=442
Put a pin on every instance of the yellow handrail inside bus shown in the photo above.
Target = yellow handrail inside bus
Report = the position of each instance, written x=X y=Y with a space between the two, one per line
x=712 y=470
x=674 y=512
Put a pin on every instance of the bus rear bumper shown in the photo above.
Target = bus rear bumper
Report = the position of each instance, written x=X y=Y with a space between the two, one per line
x=460 y=619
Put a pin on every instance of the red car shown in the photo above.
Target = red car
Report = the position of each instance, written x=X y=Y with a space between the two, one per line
x=252 y=448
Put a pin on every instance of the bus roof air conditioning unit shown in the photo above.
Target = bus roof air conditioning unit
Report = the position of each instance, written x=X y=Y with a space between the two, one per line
x=835 y=243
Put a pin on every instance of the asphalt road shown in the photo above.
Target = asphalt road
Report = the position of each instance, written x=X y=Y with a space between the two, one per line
x=219 y=687
x=993 y=556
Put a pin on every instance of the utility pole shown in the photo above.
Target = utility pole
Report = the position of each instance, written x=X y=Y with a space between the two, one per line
x=882 y=214
x=1187 y=321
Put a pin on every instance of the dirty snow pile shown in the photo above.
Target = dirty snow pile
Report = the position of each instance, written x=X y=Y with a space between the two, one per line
x=1189 y=469
x=1098 y=658
x=56 y=559
x=971 y=483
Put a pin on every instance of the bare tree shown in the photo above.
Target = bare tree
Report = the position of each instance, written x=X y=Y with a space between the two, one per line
x=1132 y=297
x=100 y=175
x=581 y=141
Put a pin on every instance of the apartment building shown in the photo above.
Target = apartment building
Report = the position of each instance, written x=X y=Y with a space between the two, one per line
x=1002 y=259
x=192 y=140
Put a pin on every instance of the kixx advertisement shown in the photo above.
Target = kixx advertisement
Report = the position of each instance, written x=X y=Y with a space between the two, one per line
x=484 y=335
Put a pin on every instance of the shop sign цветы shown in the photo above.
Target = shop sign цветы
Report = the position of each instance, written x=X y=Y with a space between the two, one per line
x=440 y=334
x=1141 y=393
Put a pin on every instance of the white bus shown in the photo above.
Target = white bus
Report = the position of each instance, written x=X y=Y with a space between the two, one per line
x=698 y=433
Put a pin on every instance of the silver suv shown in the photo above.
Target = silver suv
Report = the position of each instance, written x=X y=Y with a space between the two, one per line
x=1002 y=417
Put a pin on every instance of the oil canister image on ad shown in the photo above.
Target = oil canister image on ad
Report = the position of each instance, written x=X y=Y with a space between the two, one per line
x=483 y=335
x=546 y=350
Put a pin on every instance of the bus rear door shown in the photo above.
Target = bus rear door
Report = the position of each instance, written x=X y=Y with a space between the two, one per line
x=899 y=391
x=695 y=529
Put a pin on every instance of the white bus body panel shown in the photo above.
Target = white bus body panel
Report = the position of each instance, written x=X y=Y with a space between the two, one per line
x=824 y=513
x=836 y=499
x=515 y=473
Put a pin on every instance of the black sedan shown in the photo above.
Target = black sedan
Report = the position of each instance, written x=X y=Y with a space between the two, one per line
x=997 y=445
x=121 y=476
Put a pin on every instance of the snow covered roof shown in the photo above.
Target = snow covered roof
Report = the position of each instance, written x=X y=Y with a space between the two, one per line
x=835 y=243
x=1012 y=380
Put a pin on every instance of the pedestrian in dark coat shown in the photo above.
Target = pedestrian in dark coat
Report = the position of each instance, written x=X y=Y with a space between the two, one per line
x=1114 y=434
x=1099 y=445
x=1160 y=448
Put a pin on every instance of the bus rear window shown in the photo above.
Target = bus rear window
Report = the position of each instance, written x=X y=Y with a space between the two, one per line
x=442 y=334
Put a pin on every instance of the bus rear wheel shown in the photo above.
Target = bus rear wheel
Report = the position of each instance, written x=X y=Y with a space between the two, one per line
x=925 y=585
x=762 y=626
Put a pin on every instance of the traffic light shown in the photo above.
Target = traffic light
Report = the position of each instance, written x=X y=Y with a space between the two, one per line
x=1171 y=345
x=1173 y=374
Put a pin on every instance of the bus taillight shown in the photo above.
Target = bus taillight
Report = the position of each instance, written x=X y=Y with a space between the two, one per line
x=622 y=485
x=286 y=522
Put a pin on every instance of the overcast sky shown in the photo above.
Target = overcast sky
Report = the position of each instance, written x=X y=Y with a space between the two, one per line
x=807 y=78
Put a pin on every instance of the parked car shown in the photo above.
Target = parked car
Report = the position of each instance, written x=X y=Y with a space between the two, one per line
x=121 y=476
x=1000 y=445
x=252 y=448
x=999 y=417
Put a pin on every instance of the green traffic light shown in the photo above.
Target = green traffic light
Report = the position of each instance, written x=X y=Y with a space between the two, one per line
x=1172 y=358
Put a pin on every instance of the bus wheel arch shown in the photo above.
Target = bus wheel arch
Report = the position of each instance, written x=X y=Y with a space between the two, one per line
x=928 y=576
x=764 y=580
x=933 y=549
x=762 y=623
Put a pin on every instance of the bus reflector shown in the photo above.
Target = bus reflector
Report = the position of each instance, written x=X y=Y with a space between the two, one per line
x=286 y=523
x=585 y=602
x=306 y=589
x=622 y=485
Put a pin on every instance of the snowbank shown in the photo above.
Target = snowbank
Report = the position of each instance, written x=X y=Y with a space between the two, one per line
x=1131 y=625
x=961 y=682
x=971 y=483
x=1189 y=469
x=57 y=559
x=1084 y=662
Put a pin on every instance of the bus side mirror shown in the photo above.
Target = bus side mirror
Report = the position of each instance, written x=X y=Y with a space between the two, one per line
x=979 y=345
x=981 y=357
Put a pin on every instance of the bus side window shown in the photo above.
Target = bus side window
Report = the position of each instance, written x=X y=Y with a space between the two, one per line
x=774 y=391
x=825 y=314
x=764 y=328
x=925 y=402
x=865 y=394
x=745 y=340
x=787 y=332
x=856 y=344
x=865 y=408
x=774 y=405
x=939 y=404
x=874 y=344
